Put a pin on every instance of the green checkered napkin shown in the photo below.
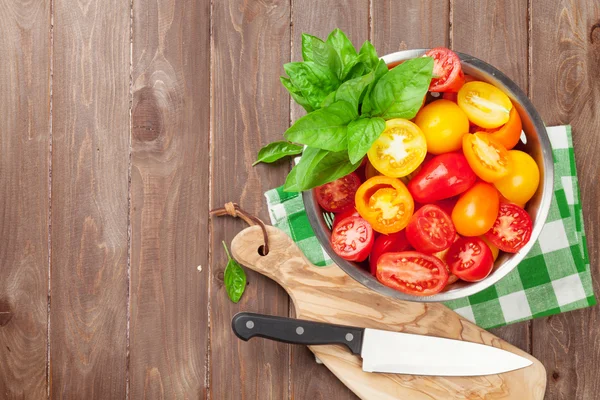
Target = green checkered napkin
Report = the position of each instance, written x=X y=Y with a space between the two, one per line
x=553 y=278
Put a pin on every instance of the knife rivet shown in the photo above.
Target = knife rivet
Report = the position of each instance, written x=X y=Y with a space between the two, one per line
x=299 y=330
x=250 y=324
x=349 y=337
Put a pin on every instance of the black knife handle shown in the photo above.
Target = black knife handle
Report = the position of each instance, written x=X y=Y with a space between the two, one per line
x=296 y=331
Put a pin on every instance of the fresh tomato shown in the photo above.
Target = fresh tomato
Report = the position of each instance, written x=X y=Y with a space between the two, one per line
x=485 y=105
x=447 y=72
x=443 y=123
x=441 y=255
x=430 y=230
x=447 y=204
x=385 y=203
x=488 y=158
x=338 y=195
x=505 y=200
x=392 y=243
x=399 y=150
x=453 y=96
x=509 y=134
x=470 y=259
x=495 y=250
x=444 y=176
x=522 y=180
x=512 y=229
x=352 y=239
x=476 y=210
x=350 y=212
x=412 y=272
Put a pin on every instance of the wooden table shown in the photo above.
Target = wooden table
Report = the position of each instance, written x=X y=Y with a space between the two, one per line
x=123 y=122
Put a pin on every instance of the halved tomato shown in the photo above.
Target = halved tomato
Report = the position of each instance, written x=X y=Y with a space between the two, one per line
x=349 y=212
x=447 y=71
x=392 y=243
x=470 y=259
x=488 y=158
x=352 y=239
x=338 y=195
x=485 y=105
x=430 y=230
x=512 y=229
x=476 y=210
x=385 y=203
x=509 y=134
x=399 y=150
x=412 y=272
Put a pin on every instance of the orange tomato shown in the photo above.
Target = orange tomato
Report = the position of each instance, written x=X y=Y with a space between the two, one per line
x=385 y=203
x=485 y=105
x=522 y=180
x=495 y=250
x=488 y=158
x=476 y=210
x=509 y=134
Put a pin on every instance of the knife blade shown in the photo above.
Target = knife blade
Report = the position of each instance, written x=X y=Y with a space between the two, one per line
x=385 y=351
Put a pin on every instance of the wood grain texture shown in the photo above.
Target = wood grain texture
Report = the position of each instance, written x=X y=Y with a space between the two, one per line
x=170 y=138
x=251 y=42
x=24 y=146
x=566 y=89
x=88 y=349
x=496 y=32
x=328 y=294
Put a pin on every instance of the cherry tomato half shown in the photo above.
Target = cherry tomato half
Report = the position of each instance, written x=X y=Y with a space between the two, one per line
x=447 y=72
x=385 y=203
x=399 y=150
x=470 y=259
x=522 y=180
x=509 y=134
x=349 y=212
x=430 y=230
x=352 y=239
x=412 y=272
x=512 y=229
x=485 y=105
x=476 y=210
x=444 y=176
x=392 y=243
x=443 y=123
x=488 y=158
x=453 y=96
x=338 y=195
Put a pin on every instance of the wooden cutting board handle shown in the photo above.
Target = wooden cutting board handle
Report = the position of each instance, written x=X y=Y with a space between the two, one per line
x=328 y=294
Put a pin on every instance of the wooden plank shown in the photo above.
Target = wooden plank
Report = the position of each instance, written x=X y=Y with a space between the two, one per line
x=90 y=157
x=24 y=142
x=169 y=230
x=565 y=60
x=250 y=108
x=496 y=32
x=308 y=379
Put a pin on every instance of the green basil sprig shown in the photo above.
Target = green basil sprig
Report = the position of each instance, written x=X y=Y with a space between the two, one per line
x=277 y=150
x=234 y=277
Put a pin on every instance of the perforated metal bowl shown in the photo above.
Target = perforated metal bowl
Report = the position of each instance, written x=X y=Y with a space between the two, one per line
x=536 y=143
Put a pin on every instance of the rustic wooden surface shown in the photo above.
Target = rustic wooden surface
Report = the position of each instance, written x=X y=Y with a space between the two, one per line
x=123 y=122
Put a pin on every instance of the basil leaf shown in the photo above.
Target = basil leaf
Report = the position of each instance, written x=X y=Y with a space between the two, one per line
x=368 y=55
x=324 y=128
x=318 y=167
x=379 y=72
x=328 y=100
x=361 y=135
x=313 y=81
x=399 y=93
x=290 y=184
x=277 y=150
x=234 y=278
x=344 y=48
x=295 y=93
x=352 y=91
x=307 y=49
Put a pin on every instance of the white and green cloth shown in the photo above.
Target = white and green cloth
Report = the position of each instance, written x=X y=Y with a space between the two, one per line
x=553 y=278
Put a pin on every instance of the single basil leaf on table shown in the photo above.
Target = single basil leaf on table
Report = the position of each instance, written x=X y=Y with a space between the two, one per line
x=295 y=93
x=313 y=81
x=277 y=150
x=324 y=128
x=380 y=71
x=400 y=93
x=361 y=135
x=234 y=278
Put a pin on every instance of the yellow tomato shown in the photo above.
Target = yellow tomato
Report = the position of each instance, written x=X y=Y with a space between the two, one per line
x=495 y=250
x=485 y=105
x=476 y=210
x=522 y=180
x=488 y=158
x=399 y=150
x=444 y=124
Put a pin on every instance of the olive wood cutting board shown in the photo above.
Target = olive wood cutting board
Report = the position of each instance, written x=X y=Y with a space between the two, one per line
x=328 y=294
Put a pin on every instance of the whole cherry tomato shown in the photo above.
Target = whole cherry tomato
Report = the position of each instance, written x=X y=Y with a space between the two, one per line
x=509 y=134
x=522 y=180
x=476 y=210
x=443 y=123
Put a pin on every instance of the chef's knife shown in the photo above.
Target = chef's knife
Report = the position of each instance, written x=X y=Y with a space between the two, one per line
x=385 y=351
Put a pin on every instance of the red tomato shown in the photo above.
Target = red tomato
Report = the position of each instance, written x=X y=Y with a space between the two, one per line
x=470 y=259
x=412 y=272
x=350 y=212
x=338 y=195
x=447 y=72
x=352 y=239
x=430 y=230
x=512 y=229
x=444 y=176
x=447 y=205
x=441 y=255
x=392 y=243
